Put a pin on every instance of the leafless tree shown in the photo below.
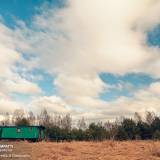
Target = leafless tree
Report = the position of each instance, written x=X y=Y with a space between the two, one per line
x=17 y=115
x=44 y=118
x=150 y=116
x=82 y=124
x=57 y=120
x=137 y=117
x=108 y=125
x=67 y=122
x=31 y=118
x=7 y=119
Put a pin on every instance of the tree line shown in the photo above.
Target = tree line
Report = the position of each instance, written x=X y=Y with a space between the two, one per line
x=61 y=128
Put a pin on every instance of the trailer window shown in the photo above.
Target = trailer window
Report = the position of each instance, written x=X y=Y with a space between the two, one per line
x=18 y=130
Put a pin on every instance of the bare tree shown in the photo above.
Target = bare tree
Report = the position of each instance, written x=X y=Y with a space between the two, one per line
x=108 y=125
x=44 y=118
x=17 y=115
x=137 y=117
x=37 y=120
x=7 y=119
x=150 y=116
x=113 y=131
x=82 y=124
x=67 y=122
x=57 y=120
x=31 y=118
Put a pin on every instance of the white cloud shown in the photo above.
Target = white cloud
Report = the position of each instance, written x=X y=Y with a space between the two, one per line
x=53 y=104
x=8 y=53
x=88 y=37
x=81 y=39
x=10 y=80
x=75 y=85
x=8 y=105
x=155 y=88
x=147 y=99
x=77 y=43
x=22 y=86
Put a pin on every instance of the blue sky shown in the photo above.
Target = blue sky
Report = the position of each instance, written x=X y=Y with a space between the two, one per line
x=138 y=81
x=154 y=36
x=26 y=9
x=84 y=67
x=23 y=9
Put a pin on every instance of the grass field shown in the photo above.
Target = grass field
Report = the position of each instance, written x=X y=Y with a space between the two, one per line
x=107 y=150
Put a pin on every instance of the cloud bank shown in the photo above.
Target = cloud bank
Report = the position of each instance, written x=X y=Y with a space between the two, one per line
x=85 y=38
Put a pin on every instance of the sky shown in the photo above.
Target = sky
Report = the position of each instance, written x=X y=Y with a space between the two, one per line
x=88 y=58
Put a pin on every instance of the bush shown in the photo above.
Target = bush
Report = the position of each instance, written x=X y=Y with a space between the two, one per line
x=156 y=124
x=144 y=130
x=97 y=132
x=22 y=122
x=121 y=134
x=156 y=135
x=130 y=128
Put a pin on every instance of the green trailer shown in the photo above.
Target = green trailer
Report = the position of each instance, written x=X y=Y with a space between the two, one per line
x=31 y=133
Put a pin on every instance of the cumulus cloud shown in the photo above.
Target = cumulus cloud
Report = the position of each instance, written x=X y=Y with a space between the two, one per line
x=155 y=88
x=53 y=104
x=83 y=39
x=88 y=37
x=8 y=105
x=147 y=99
x=92 y=85
x=22 y=86
x=10 y=80
x=10 y=56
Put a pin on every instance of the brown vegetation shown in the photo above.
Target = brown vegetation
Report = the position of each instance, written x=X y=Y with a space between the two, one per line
x=107 y=150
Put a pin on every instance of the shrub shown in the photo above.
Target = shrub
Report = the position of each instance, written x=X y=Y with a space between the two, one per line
x=121 y=134
x=22 y=122
x=156 y=135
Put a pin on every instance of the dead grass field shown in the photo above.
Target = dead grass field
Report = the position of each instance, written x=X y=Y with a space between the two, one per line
x=107 y=150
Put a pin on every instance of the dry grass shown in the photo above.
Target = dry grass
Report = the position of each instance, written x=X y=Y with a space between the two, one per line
x=107 y=150
x=155 y=150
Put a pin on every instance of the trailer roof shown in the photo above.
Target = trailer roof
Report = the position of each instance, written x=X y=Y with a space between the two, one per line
x=22 y=126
